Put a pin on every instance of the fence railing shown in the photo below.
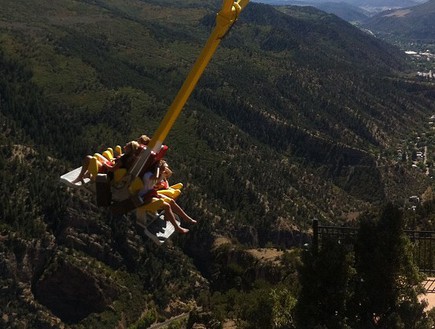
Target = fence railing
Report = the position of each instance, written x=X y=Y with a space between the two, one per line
x=423 y=242
x=429 y=285
x=424 y=250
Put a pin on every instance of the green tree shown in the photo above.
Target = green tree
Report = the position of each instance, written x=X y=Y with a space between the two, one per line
x=386 y=293
x=283 y=304
x=325 y=277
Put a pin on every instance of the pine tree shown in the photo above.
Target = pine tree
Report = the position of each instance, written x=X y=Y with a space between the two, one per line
x=386 y=292
x=324 y=277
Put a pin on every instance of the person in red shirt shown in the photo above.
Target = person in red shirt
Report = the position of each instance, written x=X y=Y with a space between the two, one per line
x=154 y=179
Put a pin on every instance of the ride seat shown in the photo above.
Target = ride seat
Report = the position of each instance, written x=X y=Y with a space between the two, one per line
x=135 y=186
x=93 y=168
x=119 y=174
x=134 y=201
x=172 y=192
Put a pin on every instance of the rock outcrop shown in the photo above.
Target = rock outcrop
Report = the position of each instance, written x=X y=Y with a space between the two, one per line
x=72 y=292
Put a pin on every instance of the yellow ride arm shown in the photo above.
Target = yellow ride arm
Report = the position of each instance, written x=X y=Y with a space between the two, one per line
x=225 y=18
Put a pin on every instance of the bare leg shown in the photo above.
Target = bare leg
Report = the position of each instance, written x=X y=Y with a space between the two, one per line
x=85 y=166
x=180 y=212
x=100 y=157
x=169 y=215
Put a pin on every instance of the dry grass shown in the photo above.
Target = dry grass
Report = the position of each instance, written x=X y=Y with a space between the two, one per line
x=267 y=254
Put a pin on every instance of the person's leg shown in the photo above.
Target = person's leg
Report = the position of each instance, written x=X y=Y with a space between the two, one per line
x=180 y=212
x=100 y=157
x=169 y=215
x=85 y=166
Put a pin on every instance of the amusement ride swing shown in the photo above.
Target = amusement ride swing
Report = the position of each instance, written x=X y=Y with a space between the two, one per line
x=121 y=194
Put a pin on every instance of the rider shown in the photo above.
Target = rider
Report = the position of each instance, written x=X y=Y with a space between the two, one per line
x=149 y=194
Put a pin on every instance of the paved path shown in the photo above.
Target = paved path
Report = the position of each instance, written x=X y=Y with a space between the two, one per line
x=429 y=297
x=167 y=322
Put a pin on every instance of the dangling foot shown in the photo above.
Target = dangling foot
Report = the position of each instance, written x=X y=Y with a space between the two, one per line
x=182 y=230
x=78 y=181
x=190 y=220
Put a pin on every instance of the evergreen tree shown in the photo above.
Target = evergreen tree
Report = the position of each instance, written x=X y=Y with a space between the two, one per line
x=376 y=286
x=386 y=293
x=324 y=277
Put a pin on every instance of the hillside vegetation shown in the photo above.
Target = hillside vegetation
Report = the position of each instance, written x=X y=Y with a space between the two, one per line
x=302 y=95
x=299 y=115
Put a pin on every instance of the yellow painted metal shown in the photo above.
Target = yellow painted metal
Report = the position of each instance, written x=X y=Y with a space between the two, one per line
x=225 y=18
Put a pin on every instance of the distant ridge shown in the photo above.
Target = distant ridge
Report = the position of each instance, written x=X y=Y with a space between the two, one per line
x=415 y=23
x=345 y=11
x=354 y=11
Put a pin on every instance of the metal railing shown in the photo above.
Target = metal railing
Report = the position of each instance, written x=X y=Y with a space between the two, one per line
x=429 y=285
x=423 y=243
x=424 y=250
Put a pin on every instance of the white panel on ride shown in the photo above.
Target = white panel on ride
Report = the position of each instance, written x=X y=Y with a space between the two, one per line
x=159 y=230
x=70 y=176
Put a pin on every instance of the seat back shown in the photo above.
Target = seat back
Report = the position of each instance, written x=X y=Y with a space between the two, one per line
x=108 y=154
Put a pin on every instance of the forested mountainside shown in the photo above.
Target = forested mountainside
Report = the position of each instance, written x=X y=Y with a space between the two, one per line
x=414 y=24
x=299 y=115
